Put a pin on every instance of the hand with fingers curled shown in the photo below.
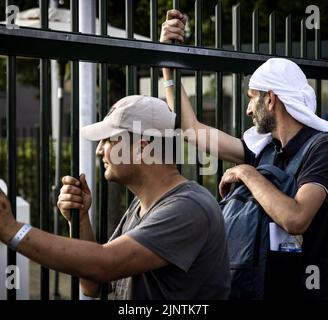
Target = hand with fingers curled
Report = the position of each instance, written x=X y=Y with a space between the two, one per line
x=74 y=194
x=173 y=28
x=234 y=175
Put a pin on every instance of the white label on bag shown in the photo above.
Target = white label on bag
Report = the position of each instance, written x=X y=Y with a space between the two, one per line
x=280 y=240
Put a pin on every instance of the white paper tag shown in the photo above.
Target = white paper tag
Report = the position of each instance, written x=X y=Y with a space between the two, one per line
x=280 y=240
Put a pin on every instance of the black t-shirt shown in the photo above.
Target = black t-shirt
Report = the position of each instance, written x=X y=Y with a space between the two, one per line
x=286 y=272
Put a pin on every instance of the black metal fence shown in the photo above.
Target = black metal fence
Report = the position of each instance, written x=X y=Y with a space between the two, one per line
x=47 y=44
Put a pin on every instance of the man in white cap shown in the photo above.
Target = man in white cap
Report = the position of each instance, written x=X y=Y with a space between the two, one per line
x=170 y=244
x=282 y=105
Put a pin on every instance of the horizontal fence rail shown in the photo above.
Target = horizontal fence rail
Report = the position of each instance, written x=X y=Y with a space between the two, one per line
x=30 y=42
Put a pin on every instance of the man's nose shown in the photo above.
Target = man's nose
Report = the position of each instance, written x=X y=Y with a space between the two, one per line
x=100 y=149
x=249 y=111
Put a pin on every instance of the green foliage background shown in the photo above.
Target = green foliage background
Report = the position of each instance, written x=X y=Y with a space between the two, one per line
x=28 y=169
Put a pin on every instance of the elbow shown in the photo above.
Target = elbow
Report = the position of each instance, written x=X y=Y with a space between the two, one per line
x=90 y=288
x=295 y=226
x=296 y=221
x=90 y=292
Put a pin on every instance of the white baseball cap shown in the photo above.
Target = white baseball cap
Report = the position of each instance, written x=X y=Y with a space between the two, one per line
x=137 y=114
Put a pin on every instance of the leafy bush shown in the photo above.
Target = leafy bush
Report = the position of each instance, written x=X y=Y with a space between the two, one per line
x=28 y=172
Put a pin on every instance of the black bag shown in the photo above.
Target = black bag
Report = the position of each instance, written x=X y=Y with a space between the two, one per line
x=247 y=225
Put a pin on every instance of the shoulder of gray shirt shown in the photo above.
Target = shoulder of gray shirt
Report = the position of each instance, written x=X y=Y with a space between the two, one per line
x=194 y=194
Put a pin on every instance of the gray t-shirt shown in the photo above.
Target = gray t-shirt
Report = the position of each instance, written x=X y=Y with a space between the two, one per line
x=185 y=227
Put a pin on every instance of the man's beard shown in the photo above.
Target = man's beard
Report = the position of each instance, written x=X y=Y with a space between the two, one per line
x=264 y=120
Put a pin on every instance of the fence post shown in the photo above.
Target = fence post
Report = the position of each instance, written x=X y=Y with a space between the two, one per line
x=103 y=109
x=288 y=36
x=177 y=106
x=218 y=88
x=44 y=148
x=131 y=71
x=199 y=81
x=153 y=36
x=75 y=126
x=236 y=77
x=11 y=148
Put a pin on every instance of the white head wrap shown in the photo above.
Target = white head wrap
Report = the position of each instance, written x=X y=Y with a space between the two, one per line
x=288 y=82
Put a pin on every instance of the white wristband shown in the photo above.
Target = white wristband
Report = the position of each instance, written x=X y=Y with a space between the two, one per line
x=18 y=237
x=168 y=83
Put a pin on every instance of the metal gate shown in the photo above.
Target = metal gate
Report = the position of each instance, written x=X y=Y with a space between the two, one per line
x=46 y=44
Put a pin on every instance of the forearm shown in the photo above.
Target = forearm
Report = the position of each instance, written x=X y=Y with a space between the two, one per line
x=76 y=257
x=211 y=140
x=188 y=118
x=89 y=288
x=283 y=209
x=83 y=259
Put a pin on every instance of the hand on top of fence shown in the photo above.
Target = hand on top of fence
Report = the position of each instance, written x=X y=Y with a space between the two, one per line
x=74 y=194
x=173 y=28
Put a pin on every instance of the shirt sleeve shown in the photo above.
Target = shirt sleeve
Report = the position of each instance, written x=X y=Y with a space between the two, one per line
x=176 y=231
x=118 y=231
x=314 y=168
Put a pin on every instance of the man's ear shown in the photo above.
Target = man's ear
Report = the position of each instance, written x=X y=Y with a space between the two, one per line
x=143 y=144
x=272 y=100
x=137 y=151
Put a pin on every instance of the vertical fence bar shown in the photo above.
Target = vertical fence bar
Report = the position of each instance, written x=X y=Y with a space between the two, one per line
x=103 y=187
x=236 y=96
x=317 y=55
x=272 y=33
x=177 y=104
x=37 y=163
x=218 y=87
x=11 y=152
x=44 y=148
x=255 y=49
x=288 y=43
x=153 y=36
x=130 y=88
x=303 y=52
x=59 y=160
x=130 y=69
x=103 y=76
x=31 y=163
x=255 y=31
x=75 y=138
x=199 y=79
x=26 y=178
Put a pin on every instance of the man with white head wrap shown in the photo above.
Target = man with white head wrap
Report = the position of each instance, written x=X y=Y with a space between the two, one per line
x=293 y=91
x=282 y=105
